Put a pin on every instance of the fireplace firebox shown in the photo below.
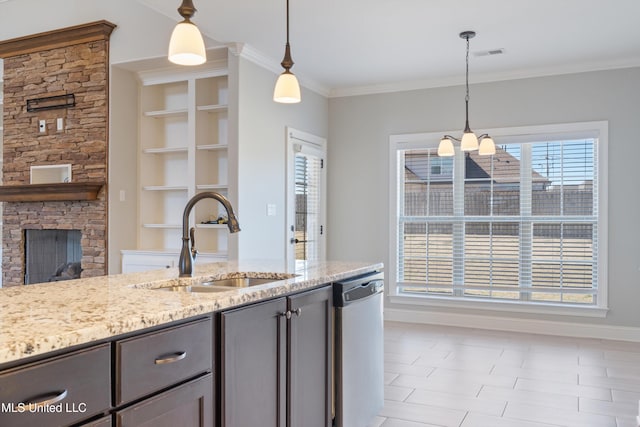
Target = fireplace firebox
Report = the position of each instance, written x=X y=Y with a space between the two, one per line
x=52 y=255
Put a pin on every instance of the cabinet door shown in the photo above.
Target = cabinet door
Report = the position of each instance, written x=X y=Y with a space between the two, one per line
x=189 y=405
x=253 y=365
x=310 y=358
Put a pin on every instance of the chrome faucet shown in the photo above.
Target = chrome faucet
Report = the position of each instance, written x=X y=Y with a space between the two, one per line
x=185 y=264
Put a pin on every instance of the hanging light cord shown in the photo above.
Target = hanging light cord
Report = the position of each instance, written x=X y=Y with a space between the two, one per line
x=467 y=129
x=467 y=78
x=287 y=22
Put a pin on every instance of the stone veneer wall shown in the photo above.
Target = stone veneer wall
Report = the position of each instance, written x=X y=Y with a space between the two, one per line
x=79 y=69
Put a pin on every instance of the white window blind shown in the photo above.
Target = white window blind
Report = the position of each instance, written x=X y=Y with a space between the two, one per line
x=308 y=226
x=521 y=225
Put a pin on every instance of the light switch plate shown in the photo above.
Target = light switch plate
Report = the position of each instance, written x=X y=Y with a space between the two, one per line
x=271 y=209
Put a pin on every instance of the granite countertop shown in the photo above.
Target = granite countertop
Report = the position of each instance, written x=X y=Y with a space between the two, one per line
x=37 y=319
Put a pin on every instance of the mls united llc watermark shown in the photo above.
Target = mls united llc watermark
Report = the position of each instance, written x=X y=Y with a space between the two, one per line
x=65 y=407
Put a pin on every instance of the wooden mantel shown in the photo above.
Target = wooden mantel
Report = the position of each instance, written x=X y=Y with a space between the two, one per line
x=57 y=192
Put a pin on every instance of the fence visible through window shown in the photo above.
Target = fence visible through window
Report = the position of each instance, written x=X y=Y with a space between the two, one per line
x=519 y=225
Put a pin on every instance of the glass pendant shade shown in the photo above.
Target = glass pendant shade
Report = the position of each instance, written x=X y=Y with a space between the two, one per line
x=487 y=147
x=287 y=90
x=445 y=149
x=187 y=46
x=469 y=141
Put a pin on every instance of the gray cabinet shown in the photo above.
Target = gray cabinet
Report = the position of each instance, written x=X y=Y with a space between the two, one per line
x=310 y=358
x=275 y=362
x=161 y=378
x=59 y=391
x=148 y=363
x=188 y=405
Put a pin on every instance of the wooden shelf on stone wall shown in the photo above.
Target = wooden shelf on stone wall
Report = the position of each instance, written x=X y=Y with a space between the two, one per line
x=64 y=191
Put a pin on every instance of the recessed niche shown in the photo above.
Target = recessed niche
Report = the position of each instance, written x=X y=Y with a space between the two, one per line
x=50 y=174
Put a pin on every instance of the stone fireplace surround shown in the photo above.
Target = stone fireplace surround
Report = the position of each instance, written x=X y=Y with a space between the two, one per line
x=72 y=60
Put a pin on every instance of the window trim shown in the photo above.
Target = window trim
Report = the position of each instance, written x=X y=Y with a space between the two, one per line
x=521 y=134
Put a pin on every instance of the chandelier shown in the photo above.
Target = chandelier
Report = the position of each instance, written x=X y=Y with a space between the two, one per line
x=469 y=140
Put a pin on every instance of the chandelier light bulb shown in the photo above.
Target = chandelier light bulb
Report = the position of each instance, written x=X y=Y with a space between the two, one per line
x=186 y=46
x=487 y=147
x=287 y=90
x=445 y=149
x=469 y=142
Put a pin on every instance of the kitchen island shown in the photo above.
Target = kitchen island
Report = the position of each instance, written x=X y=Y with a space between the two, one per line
x=110 y=324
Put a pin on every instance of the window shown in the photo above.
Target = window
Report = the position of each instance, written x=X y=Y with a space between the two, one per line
x=525 y=225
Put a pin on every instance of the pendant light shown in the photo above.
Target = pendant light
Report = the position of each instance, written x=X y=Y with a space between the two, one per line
x=287 y=90
x=469 y=140
x=187 y=46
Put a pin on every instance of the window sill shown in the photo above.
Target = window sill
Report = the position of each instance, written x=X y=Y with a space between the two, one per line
x=503 y=306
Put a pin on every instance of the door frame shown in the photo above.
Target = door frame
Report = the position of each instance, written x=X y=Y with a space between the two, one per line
x=299 y=141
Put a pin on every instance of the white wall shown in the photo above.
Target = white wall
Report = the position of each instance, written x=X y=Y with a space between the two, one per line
x=123 y=155
x=358 y=179
x=26 y=17
x=261 y=158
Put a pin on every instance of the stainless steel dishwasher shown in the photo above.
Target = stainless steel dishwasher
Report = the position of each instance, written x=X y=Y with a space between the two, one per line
x=359 y=350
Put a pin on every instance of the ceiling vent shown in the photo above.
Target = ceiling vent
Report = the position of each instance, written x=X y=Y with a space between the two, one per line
x=490 y=52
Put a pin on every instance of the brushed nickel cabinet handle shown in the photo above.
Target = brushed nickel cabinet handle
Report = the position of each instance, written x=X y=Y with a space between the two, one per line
x=286 y=314
x=298 y=312
x=32 y=406
x=172 y=359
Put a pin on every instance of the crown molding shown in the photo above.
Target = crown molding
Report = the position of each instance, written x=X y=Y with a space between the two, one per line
x=481 y=78
x=85 y=33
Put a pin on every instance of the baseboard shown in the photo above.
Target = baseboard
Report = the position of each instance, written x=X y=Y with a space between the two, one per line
x=510 y=324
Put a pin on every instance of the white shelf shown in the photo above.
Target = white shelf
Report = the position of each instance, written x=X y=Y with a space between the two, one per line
x=212 y=187
x=165 y=150
x=185 y=144
x=212 y=147
x=161 y=114
x=212 y=108
x=165 y=188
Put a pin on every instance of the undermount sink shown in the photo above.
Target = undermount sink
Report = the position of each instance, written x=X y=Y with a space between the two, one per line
x=220 y=285
x=192 y=289
x=224 y=284
x=238 y=282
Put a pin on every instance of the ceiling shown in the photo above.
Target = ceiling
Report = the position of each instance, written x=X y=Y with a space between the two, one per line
x=344 y=47
x=365 y=46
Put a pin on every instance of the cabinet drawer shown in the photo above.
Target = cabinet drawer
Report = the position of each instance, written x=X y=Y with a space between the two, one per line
x=150 y=362
x=58 y=392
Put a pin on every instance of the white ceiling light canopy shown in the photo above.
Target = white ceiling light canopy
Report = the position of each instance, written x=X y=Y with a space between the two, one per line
x=287 y=90
x=469 y=140
x=186 y=46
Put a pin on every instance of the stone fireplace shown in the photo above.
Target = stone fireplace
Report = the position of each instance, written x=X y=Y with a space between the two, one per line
x=62 y=64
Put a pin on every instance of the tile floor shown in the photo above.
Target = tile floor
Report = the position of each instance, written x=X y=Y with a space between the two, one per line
x=446 y=376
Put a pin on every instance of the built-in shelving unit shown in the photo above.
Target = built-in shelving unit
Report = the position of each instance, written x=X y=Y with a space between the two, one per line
x=183 y=150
